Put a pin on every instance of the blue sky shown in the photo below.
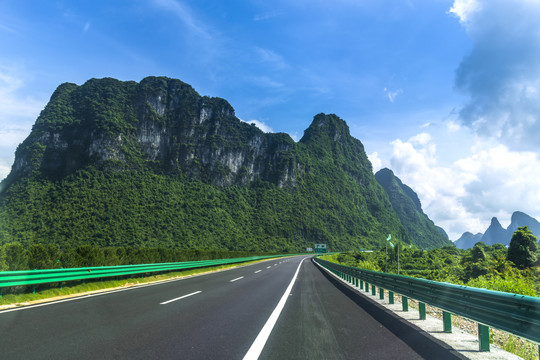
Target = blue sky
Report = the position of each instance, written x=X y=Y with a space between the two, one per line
x=444 y=92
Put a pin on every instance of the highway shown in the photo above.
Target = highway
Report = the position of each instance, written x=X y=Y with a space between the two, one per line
x=232 y=314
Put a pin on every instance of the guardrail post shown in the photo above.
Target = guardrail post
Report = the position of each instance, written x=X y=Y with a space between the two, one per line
x=367 y=287
x=0 y=293
x=34 y=289
x=422 y=310
x=483 y=337
x=356 y=282
x=390 y=297
x=405 y=303
x=373 y=290
x=447 y=322
x=361 y=284
x=381 y=293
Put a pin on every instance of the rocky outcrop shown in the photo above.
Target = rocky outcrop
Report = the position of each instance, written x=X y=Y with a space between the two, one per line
x=160 y=122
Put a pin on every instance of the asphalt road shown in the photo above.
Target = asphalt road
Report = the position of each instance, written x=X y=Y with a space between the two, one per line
x=218 y=316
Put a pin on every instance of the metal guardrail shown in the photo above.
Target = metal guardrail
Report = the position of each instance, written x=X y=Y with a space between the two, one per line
x=513 y=313
x=36 y=277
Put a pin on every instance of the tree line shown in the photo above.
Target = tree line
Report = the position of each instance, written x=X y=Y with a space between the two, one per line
x=14 y=256
x=515 y=269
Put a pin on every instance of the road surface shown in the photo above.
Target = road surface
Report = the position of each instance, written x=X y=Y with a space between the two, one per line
x=219 y=316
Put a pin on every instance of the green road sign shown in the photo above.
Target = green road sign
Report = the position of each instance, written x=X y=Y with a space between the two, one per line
x=320 y=248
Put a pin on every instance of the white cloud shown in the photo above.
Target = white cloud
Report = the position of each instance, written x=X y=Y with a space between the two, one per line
x=463 y=9
x=501 y=75
x=376 y=162
x=467 y=193
x=392 y=95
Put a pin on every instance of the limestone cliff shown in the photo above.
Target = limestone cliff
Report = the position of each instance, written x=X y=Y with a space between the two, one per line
x=161 y=123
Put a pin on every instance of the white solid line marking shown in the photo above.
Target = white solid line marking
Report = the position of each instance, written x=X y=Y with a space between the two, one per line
x=178 y=298
x=258 y=271
x=241 y=277
x=275 y=264
x=258 y=345
x=268 y=267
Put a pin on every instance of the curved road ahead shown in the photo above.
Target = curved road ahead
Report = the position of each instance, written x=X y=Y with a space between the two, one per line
x=219 y=316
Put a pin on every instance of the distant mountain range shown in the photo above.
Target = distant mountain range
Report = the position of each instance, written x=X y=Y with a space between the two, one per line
x=496 y=234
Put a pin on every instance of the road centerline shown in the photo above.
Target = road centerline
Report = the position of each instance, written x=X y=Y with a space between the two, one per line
x=238 y=278
x=181 y=297
x=258 y=271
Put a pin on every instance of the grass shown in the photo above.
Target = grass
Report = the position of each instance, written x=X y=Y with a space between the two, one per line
x=50 y=291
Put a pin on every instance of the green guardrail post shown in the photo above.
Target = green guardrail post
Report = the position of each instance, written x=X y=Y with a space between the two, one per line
x=483 y=337
x=356 y=282
x=405 y=303
x=422 y=310
x=367 y=287
x=0 y=293
x=447 y=322
x=60 y=285
x=361 y=284
x=34 y=289
x=381 y=293
x=373 y=290
x=390 y=297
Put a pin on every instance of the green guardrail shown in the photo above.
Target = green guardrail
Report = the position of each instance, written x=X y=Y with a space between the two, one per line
x=513 y=313
x=36 y=277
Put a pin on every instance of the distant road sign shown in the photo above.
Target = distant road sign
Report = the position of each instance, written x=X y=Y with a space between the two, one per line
x=309 y=249
x=320 y=248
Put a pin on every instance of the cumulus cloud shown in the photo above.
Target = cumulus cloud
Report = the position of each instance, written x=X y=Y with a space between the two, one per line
x=375 y=160
x=464 y=195
x=463 y=9
x=501 y=75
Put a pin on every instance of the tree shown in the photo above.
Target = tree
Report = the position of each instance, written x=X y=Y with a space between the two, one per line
x=522 y=248
x=16 y=256
x=478 y=253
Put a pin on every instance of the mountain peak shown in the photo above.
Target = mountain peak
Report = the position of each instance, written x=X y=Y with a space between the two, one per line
x=328 y=124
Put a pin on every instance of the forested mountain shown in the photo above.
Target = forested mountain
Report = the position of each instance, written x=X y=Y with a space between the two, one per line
x=406 y=204
x=114 y=163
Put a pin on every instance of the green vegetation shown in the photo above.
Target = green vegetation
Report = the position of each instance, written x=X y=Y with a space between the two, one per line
x=523 y=248
x=407 y=206
x=50 y=256
x=481 y=266
x=489 y=267
x=155 y=165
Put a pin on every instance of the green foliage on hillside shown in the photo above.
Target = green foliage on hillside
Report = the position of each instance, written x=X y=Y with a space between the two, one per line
x=481 y=266
x=50 y=256
x=142 y=209
x=406 y=204
x=154 y=164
